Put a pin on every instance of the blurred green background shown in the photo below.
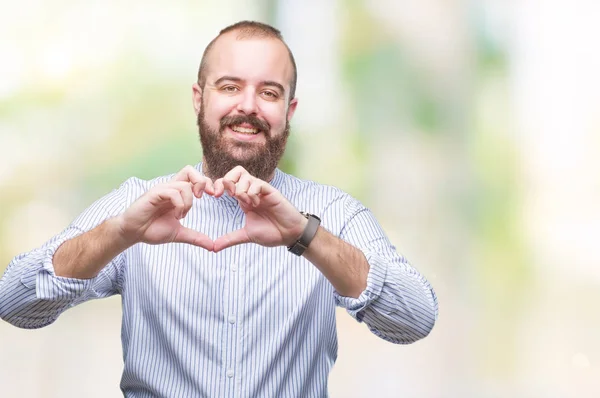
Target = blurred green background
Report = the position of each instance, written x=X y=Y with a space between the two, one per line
x=470 y=128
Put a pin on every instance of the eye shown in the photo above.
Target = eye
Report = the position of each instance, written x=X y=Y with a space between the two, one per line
x=270 y=95
x=229 y=89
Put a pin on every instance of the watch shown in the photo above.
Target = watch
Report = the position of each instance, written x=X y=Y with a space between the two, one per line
x=307 y=236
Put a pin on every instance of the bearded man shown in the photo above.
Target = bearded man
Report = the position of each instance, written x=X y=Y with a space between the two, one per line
x=229 y=271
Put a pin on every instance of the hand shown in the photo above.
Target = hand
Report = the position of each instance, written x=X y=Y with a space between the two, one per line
x=271 y=220
x=155 y=217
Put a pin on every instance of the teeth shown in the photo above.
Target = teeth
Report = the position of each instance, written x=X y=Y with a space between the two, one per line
x=244 y=130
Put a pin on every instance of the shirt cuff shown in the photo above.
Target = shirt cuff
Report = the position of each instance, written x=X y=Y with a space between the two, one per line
x=48 y=285
x=375 y=281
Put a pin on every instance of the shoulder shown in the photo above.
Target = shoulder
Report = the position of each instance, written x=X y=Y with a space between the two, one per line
x=293 y=186
x=319 y=197
x=134 y=186
x=142 y=185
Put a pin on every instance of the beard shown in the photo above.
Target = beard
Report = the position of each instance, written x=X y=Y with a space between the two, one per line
x=222 y=154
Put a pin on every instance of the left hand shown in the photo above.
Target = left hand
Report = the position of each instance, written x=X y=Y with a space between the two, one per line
x=271 y=220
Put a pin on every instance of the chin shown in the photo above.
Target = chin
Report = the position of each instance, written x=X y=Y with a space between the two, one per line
x=244 y=150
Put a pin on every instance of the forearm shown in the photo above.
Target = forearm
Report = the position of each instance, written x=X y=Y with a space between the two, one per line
x=342 y=264
x=372 y=281
x=84 y=257
x=32 y=296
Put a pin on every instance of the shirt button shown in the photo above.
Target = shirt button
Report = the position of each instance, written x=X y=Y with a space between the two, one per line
x=230 y=373
x=233 y=268
x=232 y=319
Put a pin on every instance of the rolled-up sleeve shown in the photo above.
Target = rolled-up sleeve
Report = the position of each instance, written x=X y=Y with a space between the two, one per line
x=33 y=296
x=398 y=304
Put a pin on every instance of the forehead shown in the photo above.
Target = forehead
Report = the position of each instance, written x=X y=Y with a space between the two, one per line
x=251 y=59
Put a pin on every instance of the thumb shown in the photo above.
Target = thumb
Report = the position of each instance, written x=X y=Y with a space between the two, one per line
x=231 y=239
x=187 y=235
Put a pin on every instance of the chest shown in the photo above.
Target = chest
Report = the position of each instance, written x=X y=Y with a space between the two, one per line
x=178 y=279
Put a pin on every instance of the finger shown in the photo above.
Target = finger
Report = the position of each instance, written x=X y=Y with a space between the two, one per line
x=208 y=187
x=244 y=199
x=235 y=174
x=243 y=184
x=169 y=196
x=254 y=199
x=260 y=187
x=199 y=188
x=219 y=187
x=254 y=192
x=187 y=235
x=231 y=239
x=229 y=186
x=188 y=198
x=241 y=189
x=185 y=190
x=190 y=174
x=257 y=189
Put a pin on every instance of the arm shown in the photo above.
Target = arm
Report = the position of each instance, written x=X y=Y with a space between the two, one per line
x=397 y=304
x=84 y=256
x=373 y=282
x=154 y=218
x=32 y=295
x=343 y=265
x=84 y=262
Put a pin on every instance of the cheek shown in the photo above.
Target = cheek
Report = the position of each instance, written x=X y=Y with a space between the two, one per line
x=213 y=113
x=276 y=117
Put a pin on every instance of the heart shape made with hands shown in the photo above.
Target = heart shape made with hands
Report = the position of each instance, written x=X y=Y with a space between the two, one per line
x=271 y=220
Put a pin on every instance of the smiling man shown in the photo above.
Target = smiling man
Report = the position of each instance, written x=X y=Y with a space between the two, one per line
x=229 y=271
x=244 y=100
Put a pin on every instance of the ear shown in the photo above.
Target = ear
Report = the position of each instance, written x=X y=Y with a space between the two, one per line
x=196 y=97
x=292 y=109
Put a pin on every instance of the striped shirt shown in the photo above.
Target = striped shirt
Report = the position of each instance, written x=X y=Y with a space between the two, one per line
x=249 y=321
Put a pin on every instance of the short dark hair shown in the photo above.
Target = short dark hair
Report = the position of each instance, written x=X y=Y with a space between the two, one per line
x=248 y=30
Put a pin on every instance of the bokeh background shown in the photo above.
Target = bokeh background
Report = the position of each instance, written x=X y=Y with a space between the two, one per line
x=469 y=127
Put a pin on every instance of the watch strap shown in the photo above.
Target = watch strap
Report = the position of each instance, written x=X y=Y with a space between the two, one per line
x=307 y=235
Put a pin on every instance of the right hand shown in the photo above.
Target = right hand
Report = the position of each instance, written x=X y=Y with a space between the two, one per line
x=154 y=217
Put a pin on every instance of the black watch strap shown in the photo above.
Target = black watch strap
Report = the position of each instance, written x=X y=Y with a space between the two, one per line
x=307 y=236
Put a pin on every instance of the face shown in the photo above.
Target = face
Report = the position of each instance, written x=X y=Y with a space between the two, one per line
x=244 y=109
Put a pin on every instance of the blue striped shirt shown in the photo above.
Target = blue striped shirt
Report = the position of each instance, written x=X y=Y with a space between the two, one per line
x=249 y=321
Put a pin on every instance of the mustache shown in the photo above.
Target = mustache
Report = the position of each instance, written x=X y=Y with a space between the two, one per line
x=253 y=121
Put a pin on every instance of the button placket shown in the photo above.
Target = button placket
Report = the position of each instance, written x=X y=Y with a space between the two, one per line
x=232 y=356
x=232 y=314
x=230 y=322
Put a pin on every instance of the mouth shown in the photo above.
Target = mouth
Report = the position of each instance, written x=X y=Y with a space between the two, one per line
x=244 y=132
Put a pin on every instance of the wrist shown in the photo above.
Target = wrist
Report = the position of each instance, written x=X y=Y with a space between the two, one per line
x=116 y=228
x=310 y=227
x=302 y=223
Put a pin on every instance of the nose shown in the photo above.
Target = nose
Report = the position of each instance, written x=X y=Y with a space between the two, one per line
x=248 y=104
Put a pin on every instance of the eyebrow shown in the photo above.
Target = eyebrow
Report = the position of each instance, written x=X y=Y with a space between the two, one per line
x=263 y=83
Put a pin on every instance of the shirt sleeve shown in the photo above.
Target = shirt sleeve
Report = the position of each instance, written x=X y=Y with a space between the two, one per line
x=32 y=296
x=398 y=304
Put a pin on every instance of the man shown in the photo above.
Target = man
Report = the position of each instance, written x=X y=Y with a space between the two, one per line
x=228 y=289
